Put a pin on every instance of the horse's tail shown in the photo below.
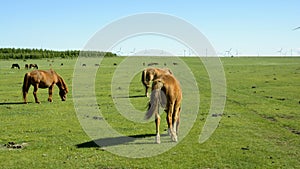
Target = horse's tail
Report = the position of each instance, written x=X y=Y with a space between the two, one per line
x=158 y=98
x=25 y=85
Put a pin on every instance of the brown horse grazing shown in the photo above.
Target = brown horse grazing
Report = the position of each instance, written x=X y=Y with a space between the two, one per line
x=166 y=92
x=149 y=74
x=44 y=79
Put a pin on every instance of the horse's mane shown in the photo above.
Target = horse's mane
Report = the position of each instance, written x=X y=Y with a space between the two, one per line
x=61 y=83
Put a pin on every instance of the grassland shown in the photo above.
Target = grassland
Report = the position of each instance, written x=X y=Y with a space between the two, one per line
x=259 y=127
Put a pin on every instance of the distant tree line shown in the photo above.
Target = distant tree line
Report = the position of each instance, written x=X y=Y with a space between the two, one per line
x=24 y=53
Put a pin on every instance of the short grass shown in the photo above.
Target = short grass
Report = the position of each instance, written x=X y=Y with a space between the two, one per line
x=259 y=128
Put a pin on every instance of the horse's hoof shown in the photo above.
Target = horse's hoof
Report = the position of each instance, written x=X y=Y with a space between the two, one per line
x=174 y=138
x=157 y=139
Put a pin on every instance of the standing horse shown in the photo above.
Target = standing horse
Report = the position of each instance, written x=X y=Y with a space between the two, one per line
x=33 y=66
x=149 y=74
x=44 y=79
x=166 y=92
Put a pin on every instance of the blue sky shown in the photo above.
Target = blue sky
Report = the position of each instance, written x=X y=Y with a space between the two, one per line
x=246 y=27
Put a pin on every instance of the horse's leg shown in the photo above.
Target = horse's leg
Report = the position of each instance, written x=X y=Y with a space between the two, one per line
x=176 y=121
x=36 y=86
x=25 y=92
x=50 y=90
x=170 y=121
x=167 y=119
x=146 y=91
x=157 y=123
x=148 y=87
x=25 y=97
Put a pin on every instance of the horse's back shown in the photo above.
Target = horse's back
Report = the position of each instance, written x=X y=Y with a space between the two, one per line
x=171 y=85
x=45 y=78
x=150 y=73
x=164 y=71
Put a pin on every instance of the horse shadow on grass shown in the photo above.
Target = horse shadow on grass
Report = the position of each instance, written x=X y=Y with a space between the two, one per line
x=136 y=96
x=112 y=141
x=132 y=96
x=12 y=103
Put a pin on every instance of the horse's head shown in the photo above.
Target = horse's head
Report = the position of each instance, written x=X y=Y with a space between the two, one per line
x=63 y=94
x=63 y=89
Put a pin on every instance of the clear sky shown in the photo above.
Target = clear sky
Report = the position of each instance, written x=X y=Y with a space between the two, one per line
x=256 y=27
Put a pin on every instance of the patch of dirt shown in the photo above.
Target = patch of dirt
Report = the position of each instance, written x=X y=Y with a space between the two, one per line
x=253 y=87
x=245 y=148
x=269 y=118
x=269 y=97
x=13 y=145
x=97 y=118
x=94 y=117
x=293 y=130
x=286 y=116
x=216 y=115
x=281 y=99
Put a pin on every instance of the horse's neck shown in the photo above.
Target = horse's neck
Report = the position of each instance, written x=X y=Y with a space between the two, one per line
x=60 y=83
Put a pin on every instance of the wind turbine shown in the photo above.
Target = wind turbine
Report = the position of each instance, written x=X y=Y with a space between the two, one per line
x=280 y=51
x=133 y=51
x=228 y=52
x=190 y=52
x=162 y=52
x=119 y=51
x=236 y=53
x=285 y=52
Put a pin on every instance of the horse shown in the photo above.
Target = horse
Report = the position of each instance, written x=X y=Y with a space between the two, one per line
x=149 y=74
x=44 y=79
x=167 y=93
x=33 y=66
x=15 y=65
x=152 y=64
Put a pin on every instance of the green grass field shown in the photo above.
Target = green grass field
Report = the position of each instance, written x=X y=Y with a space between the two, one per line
x=259 y=127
